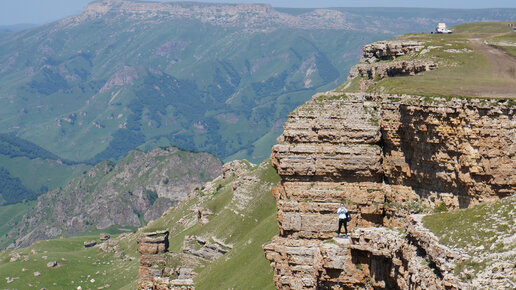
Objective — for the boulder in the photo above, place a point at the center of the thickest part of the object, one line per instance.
(89, 244)
(104, 237)
(52, 264)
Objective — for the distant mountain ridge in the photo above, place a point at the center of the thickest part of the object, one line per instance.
(226, 15)
(130, 193)
(208, 77)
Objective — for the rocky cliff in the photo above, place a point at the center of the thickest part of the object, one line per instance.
(384, 156)
(136, 190)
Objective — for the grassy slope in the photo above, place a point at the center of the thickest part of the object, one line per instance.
(484, 229)
(245, 265)
(80, 266)
(10, 215)
(459, 74)
(35, 173)
(506, 41)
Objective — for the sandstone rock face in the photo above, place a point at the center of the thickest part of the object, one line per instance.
(389, 50)
(154, 273)
(89, 244)
(380, 155)
(153, 243)
(463, 150)
(151, 246)
(390, 69)
(207, 249)
(370, 70)
(394, 262)
(104, 237)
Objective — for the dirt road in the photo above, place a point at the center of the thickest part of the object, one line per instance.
(503, 66)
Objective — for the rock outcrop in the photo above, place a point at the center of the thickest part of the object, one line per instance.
(151, 246)
(384, 157)
(371, 69)
(205, 248)
(152, 273)
(217, 227)
(389, 50)
(390, 69)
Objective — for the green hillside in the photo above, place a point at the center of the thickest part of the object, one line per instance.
(244, 220)
(10, 216)
(97, 85)
(89, 268)
(485, 233)
(27, 170)
(239, 209)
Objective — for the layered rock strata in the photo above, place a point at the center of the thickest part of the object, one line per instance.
(205, 249)
(389, 50)
(150, 247)
(371, 70)
(153, 274)
(384, 157)
(389, 69)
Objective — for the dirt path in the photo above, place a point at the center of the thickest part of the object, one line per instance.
(503, 66)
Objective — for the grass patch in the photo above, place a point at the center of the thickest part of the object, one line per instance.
(89, 268)
(482, 27)
(441, 207)
(350, 86)
(477, 231)
(10, 215)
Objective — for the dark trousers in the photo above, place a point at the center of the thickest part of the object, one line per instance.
(345, 223)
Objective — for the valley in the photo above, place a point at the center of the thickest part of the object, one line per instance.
(188, 76)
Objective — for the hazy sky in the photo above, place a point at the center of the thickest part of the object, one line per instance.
(42, 11)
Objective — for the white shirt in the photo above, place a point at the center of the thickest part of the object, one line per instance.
(342, 212)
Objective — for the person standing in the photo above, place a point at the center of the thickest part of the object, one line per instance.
(343, 219)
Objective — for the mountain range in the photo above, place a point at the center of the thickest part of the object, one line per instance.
(210, 77)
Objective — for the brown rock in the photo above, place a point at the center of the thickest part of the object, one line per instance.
(89, 244)
(378, 154)
(52, 264)
(104, 237)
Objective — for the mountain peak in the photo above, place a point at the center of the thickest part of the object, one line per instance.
(220, 14)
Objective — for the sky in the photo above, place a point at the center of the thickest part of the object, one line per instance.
(44, 11)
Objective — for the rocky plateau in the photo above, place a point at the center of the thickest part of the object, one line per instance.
(385, 157)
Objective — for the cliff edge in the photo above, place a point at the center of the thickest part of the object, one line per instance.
(388, 148)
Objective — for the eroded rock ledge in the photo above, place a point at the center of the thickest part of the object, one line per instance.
(379, 61)
(152, 273)
(382, 155)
